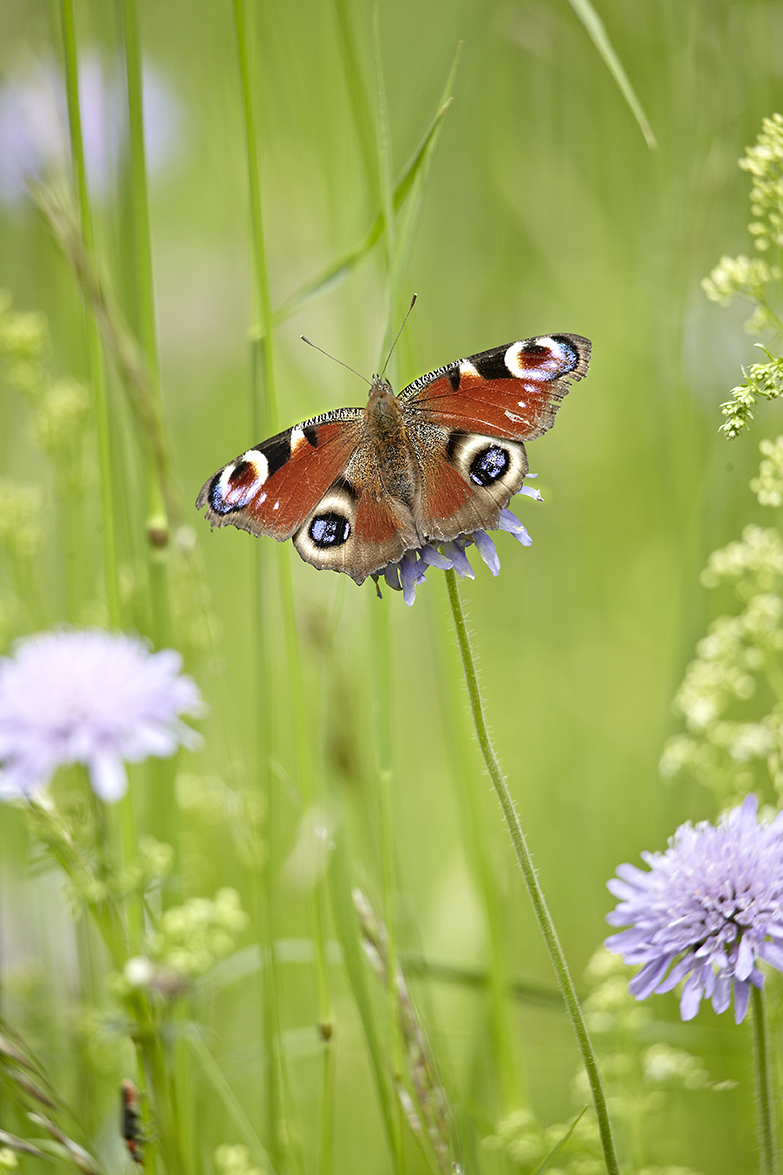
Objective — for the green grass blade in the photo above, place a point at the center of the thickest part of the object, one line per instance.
(594, 27)
(546, 1163)
(94, 352)
(337, 273)
(345, 922)
(225, 1093)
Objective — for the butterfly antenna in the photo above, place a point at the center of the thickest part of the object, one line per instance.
(328, 356)
(399, 332)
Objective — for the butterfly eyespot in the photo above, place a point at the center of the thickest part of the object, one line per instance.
(489, 464)
(239, 471)
(329, 530)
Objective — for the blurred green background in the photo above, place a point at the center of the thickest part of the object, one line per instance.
(545, 211)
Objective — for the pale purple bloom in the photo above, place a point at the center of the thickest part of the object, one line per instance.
(34, 123)
(711, 904)
(408, 572)
(91, 697)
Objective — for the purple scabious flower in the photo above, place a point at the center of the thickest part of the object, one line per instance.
(34, 123)
(91, 697)
(407, 573)
(715, 899)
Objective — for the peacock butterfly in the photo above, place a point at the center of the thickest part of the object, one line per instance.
(358, 487)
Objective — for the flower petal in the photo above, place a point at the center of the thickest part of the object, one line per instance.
(410, 576)
(435, 558)
(721, 995)
(691, 997)
(741, 997)
(511, 523)
(108, 777)
(459, 560)
(486, 548)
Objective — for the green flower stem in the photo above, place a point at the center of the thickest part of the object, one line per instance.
(765, 1103)
(317, 898)
(473, 818)
(158, 1069)
(525, 863)
(94, 351)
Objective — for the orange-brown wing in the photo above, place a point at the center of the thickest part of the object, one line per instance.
(512, 391)
(272, 488)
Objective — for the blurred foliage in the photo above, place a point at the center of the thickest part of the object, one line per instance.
(544, 210)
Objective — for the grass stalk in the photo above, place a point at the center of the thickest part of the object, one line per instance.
(157, 523)
(95, 360)
(161, 772)
(264, 417)
(524, 860)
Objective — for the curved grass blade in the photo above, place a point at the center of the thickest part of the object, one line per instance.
(348, 933)
(594, 27)
(340, 270)
(546, 1163)
(225, 1094)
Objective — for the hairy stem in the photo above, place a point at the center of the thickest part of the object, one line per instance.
(768, 1156)
(525, 863)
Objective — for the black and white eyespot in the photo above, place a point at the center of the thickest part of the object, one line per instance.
(488, 461)
(235, 485)
(489, 464)
(544, 358)
(330, 529)
(324, 537)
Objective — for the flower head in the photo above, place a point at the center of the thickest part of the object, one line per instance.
(34, 123)
(406, 574)
(90, 697)
(714, 898)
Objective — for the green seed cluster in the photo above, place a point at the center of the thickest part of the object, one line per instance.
(764, 161)
(730, 697)
(755, 280)
(768, 486)
(187, 942)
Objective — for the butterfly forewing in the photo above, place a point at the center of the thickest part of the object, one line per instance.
(512, 391)
(272, 488)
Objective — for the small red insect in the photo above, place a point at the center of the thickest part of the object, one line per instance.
(130, 1121)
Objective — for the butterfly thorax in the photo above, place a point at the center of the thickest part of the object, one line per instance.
(387, 435)
(383, 413)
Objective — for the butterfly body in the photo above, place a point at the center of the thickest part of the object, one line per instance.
(130, 1121)
(358, 487)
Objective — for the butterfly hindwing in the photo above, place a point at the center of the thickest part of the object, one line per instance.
(355, 531)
